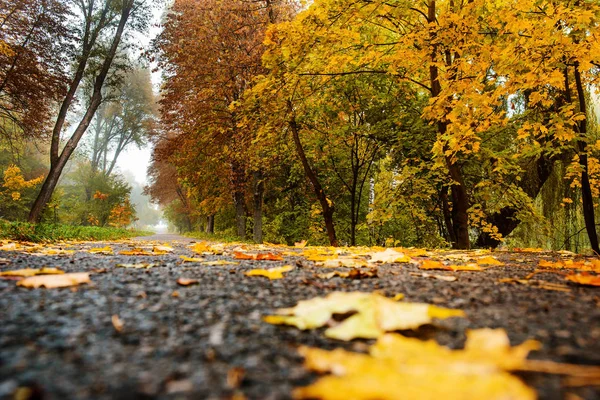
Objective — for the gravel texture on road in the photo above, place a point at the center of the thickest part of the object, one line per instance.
(208, 341)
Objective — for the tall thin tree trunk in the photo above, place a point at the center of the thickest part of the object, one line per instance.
(586, 191)
(259, 189)
(326, 204)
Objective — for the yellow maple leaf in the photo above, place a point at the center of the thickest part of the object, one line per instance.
(400, 367)
(375, 314)
(271, 273)
(489, 260)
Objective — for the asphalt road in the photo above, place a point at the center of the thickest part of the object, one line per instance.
(208, 341)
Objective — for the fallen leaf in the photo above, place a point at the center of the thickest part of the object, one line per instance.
(162, 249)
(489, 260)
(352, 274)
(117, 323)
(406, 368)
(539, 284)
(205, 248)
(187, 281)
(55, 281)
(137, 265)
(584, 279)
(271, 273)
(344, 261)
(301, 244)
(260, 256)
(374, 315)
(235, 377)
(101, 250)
(32, 271)
(445, 278)
(430, 264)
(219, 262)
(191, 259)
(136, 252)
(389, 256)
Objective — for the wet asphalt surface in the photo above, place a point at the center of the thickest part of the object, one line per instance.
(208, 341)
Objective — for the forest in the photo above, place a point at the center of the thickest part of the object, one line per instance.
(443, 123)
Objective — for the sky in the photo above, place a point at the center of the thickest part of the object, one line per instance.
(133, 159)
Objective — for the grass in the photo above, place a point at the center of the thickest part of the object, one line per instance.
(24, 231)
(216, 237)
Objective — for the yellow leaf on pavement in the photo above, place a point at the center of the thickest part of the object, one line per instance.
(374, 315)
(32, 271)
(191, 259)
(101, 250)
(220, 262)
(489, 260)
(137, 252)
(137, 265)
(55, 281)
(389, 256)
(584, 279)
(162, 249)
(271, 273)
(406, 368)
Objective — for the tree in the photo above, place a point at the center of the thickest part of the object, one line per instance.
(112, 19)
(210, 52)
(34, 46)
(127, 118)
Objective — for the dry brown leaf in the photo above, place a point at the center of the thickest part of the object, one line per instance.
(352, 274)
(537, 283)
(55, 281)
(117, 323)
(235, 377)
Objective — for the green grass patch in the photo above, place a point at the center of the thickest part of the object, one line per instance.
(216, 237)
(24, 231)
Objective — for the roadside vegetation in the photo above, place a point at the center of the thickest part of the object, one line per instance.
(24, 231)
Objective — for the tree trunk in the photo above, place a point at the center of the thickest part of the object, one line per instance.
(259, 189)
(326, 204)
(586, 191)
(240, 214)
(210, 224)
(460, 199)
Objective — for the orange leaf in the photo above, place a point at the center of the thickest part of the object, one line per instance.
(261, 257)
(584, 279)
(187, 281)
